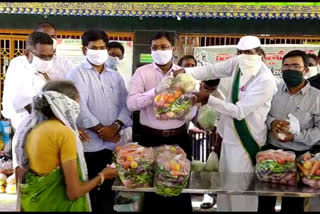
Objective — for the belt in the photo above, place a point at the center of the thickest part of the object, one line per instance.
(167, 132)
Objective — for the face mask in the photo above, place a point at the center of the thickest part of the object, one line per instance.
(249, 63)
(313, 70)
(40, 65)
(113, 62)
(292, 78)
(161, 57)
(54, 43)
(97, 57)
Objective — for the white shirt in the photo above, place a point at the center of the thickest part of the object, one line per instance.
(23, 82)
(61, 66)
(254, 99)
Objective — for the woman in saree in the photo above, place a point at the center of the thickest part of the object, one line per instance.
(49, 148)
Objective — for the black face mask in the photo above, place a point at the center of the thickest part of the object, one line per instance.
(292, 78)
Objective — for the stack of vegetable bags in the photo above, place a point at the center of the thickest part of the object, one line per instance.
(175, 103)
(172, 170)
(135, 165)
(309, 168)
(277, 166)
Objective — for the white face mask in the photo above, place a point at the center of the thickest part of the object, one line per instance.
(113, 62)
(55, 43)
(161, 57)
(97, 57)
(40, 65)
(313, 70)
(249, 64)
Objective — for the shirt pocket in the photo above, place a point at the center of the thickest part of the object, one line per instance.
(305, 118)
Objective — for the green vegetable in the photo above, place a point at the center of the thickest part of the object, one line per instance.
(274, 166)
(197, 166)
(206, 117)
(164, 190)
(212, 162)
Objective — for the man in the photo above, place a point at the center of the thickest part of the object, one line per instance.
(312, 63)
(103, 112)
(147, 81)
(187, 61)
(61, 65)
(312, 66)
(25, 78)
(116, 53)
(295, 96)
(246, 108)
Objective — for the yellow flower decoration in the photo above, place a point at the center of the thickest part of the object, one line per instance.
(7, 9)
(174, 13)
(134, 12)
(127, 12)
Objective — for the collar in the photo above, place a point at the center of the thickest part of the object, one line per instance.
(87, 65)
(28, 65)
(303, 90)
(174, 67)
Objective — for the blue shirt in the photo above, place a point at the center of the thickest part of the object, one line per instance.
(102, 100)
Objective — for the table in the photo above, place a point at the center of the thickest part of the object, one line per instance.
(232, 184)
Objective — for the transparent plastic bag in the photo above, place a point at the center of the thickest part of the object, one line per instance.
(172, 104)
(171, 174)
(135, 165)
(309, 169)
(173, 149)
(277, 166)
(206, 117)
(185, 82)
(175, 103)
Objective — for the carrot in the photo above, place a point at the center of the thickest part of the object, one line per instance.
(315, 166)
(303, 170)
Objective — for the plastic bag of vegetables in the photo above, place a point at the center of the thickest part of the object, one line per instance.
(309, 169)
(171, 174)
(277, 166)
(175, 103)
(135, 165)
(206, 117)
(171, 104)
(173, 149)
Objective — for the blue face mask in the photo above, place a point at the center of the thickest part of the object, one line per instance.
(113, 62)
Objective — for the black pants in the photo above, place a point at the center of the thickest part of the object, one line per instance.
(102, 197)
(267, 204)
(156, 203)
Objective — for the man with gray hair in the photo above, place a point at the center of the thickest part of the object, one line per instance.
(243, 114)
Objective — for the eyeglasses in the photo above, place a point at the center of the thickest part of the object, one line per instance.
(162, 47)
(292, 66)
(43, 57)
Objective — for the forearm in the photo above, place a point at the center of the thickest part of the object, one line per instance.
(226, 108)
(84, 188)
(309, 137)
(138, 101)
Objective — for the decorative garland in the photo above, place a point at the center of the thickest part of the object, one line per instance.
(165, 9)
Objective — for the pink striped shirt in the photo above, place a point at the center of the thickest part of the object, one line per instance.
(141, 95)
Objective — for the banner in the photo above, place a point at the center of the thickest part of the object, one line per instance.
(273, 56)
(72, 49)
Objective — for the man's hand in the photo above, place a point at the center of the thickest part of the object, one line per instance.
(280, 126)
(179, 71)
(164, 84)
(109, 133)
(287, 137)
(84, 136)
(202, 97)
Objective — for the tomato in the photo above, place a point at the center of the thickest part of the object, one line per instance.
(318, 172)
(281, 161)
